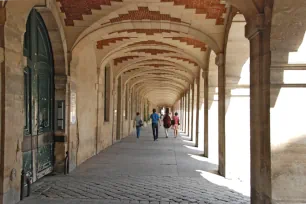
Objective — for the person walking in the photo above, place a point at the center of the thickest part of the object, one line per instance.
(167, 122)
(138, 124)
(155, 120)
(176, 123)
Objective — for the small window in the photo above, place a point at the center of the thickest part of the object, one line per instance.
(106, 93)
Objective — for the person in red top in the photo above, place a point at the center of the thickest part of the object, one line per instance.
(167, 122)
(176, 121)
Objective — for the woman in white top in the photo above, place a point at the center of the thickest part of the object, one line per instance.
(138, 123)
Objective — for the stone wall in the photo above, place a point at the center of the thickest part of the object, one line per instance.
(86, 78)
(126, 124)
(106, 127)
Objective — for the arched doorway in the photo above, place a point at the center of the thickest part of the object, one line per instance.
(38, 143)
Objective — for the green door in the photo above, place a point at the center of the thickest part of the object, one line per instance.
(38, 145)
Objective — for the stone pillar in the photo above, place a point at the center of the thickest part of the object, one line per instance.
(185, 113)
(191, 105)
(206, 111)
(180, 109)
(258, 33)
(182, 114)
(71, 107)
(2, 100)
(197, 125)
(189, 112)
(221, 112)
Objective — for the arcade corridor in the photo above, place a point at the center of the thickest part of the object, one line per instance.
(75, 73)
(145, 172)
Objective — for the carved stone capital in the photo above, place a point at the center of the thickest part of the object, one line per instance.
(2, 16)
(220, 59)
(204, 74)
(260, 22)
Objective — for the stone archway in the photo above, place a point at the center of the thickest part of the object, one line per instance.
(258, 15)
(12, 141)
(278, 160)
(237, 118)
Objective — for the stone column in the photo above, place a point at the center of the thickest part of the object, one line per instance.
(188, 113)
(197, 126)
(194, 105)
(258, 33)
(71, 107)
(206, 110)
(221, 112)
(182, 113)
(191, 105)
(185, 113)
(180, 108)
(2, 99)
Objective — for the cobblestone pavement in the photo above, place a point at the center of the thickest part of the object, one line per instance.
(143, 171)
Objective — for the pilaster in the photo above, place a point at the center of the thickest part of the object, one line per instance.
(2, 99)
(197, 126)
(206, 111)
(220, 62)
(185, 113)
(258, 33)
(191, 104)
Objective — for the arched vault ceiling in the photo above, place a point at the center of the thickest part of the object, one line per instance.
(160, 68)
(157, 79)
(82, 17)
(157, 46)
(159, 94)
(143, 87)
(126, 63)
(159, 73)
(133, 60)
(154, 64)
(158, 29)
(193, 49)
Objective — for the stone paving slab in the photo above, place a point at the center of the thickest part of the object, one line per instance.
(137, 171)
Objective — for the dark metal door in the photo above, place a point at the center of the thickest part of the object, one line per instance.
(38, 145)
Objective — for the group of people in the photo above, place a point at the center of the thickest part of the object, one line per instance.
(156, 121)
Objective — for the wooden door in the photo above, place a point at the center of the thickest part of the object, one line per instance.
(38, 143)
